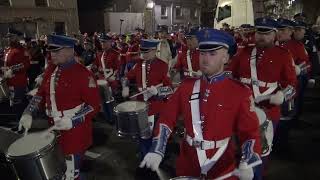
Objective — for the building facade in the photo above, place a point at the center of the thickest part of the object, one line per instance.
(38, 17)
(176, 13)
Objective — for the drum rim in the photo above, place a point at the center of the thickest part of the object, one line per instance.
(131, 112)
(39, 153)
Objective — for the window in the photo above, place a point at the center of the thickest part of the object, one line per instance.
(178, 12)
(4, 2)
(224, 12)
(164, 12)
(59, 28)
(41, 3)
(194, 13)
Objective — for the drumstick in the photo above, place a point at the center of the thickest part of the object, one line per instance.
(161, 174)
(236, 172)
(142, 92)
(47, 131)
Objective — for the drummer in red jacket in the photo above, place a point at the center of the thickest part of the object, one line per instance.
(215, 109)
(16, 64)
(150, 74)
(69, 95)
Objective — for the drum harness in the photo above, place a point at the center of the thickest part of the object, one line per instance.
(189, 64)
(54, 110)
(256, 92)
(106, 72)
(198, 142)
(257, 83)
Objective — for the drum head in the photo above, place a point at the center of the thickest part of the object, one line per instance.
(130, 106)
(29, 144)
(185, 178)
(262, 117)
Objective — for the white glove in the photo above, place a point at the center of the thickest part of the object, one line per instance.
(297, 69)
(152, 161)
(197, 74)
(112, 78)
(311, 83)
(125, 91)
(25, 121)
(245, 172)
(152, 90)
(63, 124)
(277, 98)
(38, 80)
(8, 74)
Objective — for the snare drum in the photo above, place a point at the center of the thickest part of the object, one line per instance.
(37, 157)
(185, 178)
(132, 120)
(7, 137)
(4, 90)
(266, 131)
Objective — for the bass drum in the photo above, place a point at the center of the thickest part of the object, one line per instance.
(38, 157)
(266, 132)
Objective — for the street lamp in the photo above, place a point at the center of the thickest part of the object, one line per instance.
(150, 4)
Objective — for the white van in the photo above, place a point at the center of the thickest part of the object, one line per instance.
(234, 13)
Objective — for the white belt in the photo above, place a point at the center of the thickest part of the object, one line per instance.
(34, 62)
(204, 144)
(259, 83)
(66, 113)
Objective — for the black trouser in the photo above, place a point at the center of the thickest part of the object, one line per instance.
(33, 72)
(18, 100)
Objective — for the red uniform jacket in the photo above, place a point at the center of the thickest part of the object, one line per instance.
(75, 85)
(298, 52)
(273, 65)
(182, 64)
(112, 61)
(133, 50)
(226, 111)
(123, 53)
(18, 61)
(156, 72)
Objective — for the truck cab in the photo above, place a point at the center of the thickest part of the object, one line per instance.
(234, 13)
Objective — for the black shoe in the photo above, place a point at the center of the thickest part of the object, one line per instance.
(15, 128)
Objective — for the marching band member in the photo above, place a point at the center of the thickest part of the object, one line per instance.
(302, 68)
(299, 35)
(214, 109)
(108, 61)
(106, 66)
(269, 71)
(70, 97)
(296, 48)
(165, 50)
(122, 47)
(149, 74)
(246, 36)
(88, 55)
(188, 59)
(133, 55)
(16, 64)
